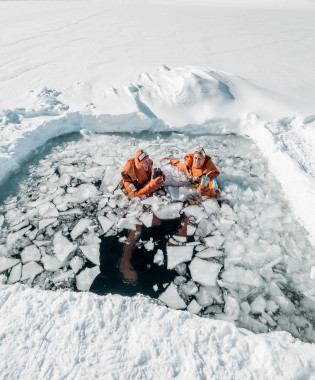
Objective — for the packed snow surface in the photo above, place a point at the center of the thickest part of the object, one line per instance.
(75, 336)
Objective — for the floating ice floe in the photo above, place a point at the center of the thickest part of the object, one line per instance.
(204, 272)
(105, 223)
(86, 277)
(82, 225)
(62, 246)
(91, 252)
(30, 270)
(178, 255)
(171, 298)
(7, 262)
(30, 253)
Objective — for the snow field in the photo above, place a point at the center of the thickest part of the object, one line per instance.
(75, 336)
(248, 262)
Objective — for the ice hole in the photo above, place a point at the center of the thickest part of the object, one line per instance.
(66, 223)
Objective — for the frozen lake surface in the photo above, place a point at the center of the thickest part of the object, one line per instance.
(240, 258)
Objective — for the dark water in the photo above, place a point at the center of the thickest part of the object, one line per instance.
(128, 269)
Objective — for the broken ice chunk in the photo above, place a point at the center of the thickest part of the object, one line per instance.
(204, 272)
(76, 263)
(80, 227)
(258, 305)
(211, 206)
(15, 274)
(31, 270)
(245, 307)
(178, 255)
(62, 277)
(209, 252)
(62, 246)
(104, 161)
(147, 218)
(285, 304)
(91, 252)
(1, 220)
(171, 298)
(189, 288)
(30, 253)
(46, 222)
(159, 258)
(166, 212)
(238, 275)
(13, 237)
(208, 294)
(47, 210)
(231, 309)
(312, 273)
(155, 288)
(85, 278)
(105, 223)
(190, 230)
(194, 307)
(149, 246)
(128, 223)
(7, 262)
(51, 263)
(195, 211)
(214, 241)
(181, 239)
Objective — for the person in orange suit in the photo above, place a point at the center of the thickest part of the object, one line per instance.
(138, 177)
(199, 169)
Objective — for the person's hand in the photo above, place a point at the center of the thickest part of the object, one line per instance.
(171, 161)
(156, 183)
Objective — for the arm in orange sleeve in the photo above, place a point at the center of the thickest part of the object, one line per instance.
(153, 185)
(211, 170)
(180, 165)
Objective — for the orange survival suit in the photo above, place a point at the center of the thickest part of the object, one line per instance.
(194, 174)
(138, 181)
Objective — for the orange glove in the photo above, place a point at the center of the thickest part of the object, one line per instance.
(207, 192)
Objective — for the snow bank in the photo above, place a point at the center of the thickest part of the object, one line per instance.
(69, 335)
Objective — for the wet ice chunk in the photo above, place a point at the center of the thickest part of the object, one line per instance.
(178, 255)
(165, 212)
(51, 263)
(231, 309)
(31, 270)
(285, 304)
(104, 161)
(46, 222)
(159, 258)
(194, 307)
(147, 218)
(62, 277)
(76, 263)
(7, 262)
(209, 252)
(190, 230)
(30, 253)
(47, 210)
(1, 220)
(80, 227)
(214, 241)
(13, 237)
(258, 305)
(15, 274)
(85, 192)
(171, 298)
(128, 223)
(149, 246)
(85, 278)
(62, 246)
(105, 223)
(189, 288)
(211, 206)
(195, 211)
(207, 295)
(204, 272)
(312, 273)
(92, 252)
(238, 275)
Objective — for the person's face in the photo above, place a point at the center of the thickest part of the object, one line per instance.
(146, 163)
(197, 160)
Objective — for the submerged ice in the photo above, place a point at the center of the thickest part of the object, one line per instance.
(240, 258)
